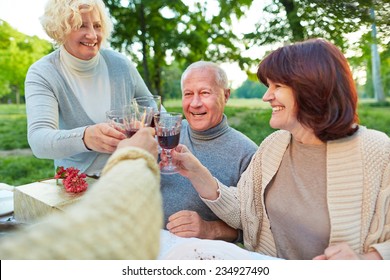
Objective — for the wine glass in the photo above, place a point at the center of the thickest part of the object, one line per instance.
(136, 117)
(168, 126)
(149, 101)
(115, 119)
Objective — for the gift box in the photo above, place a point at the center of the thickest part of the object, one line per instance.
(36, 200)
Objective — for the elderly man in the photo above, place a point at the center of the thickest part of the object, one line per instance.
(225, 151)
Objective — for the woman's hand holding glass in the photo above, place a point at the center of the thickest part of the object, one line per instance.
(102, 138)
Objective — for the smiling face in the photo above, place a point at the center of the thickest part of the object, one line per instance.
(284, 111)
(84, 42)
(203, 100)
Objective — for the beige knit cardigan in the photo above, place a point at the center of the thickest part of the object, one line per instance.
(358, 193)
(120, 217)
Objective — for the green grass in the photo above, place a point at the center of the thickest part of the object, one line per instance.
(20, 170)
(375, 117)
(249, 116)
(13, 127)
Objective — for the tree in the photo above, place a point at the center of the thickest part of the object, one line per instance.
(250, 89)
(378, 89)
(296, 20)
(154, 31)
(17, 53)
(385, 70)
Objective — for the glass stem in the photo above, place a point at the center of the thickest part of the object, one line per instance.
(169, 156)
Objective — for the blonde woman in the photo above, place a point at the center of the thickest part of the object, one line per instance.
(69, 90)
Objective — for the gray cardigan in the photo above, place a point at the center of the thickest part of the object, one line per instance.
(56, 120)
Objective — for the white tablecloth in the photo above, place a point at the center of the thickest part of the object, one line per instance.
(177, 248)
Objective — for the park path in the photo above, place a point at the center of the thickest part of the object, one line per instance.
(16, 152)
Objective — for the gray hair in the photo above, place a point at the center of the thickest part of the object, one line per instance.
(220, 74)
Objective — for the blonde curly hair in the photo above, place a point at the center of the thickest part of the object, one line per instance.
(63, 16)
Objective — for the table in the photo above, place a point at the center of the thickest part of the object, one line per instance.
(38, 199)
(173, 247)
(7, 221)
(42, 198)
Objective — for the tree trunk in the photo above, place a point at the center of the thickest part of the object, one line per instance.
(293, 20)
(376, 73)
(15, 89)
(144, 48)
(157, 63)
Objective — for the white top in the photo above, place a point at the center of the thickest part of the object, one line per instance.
(86, 78)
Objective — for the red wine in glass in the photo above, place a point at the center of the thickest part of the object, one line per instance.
(152, 124)
(169, 142)
(131, 132)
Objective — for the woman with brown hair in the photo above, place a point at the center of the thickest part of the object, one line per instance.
(319, 187)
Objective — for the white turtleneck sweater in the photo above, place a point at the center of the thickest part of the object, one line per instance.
(86, 78)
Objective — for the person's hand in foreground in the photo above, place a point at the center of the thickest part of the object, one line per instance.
(187, 223)
(102, 138)
(144, 139)
(342, 251)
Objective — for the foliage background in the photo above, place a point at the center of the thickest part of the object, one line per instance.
(17, 52)
(162, 37)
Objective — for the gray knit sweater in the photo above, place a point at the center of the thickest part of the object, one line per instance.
(358, 193)
(225, 151)
(56, 120)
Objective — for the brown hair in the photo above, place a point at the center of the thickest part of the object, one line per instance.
(322, 84)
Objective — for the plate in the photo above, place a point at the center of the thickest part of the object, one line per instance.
(6, 202)
(200, 249)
